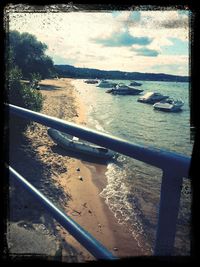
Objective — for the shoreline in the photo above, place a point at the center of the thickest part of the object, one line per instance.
(80, 180)
(111, 232)
(108, 232)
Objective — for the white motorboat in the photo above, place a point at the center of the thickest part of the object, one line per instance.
(152, 97)
(169, 105)
(106, 84)
(133, 83)
(72, 143)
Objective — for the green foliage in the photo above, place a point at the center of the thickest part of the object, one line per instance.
(24, 59)
(35, 77)
(22, 95)
(23, 48)
(14, 86)
(15, 75)
(28, 54)
(32, 98)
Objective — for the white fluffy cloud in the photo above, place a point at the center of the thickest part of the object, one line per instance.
(97, 39)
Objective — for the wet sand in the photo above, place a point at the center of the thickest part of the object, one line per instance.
(80, 180)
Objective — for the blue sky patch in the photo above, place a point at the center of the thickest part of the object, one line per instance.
(135, 16)
(179, 47)
(183, 12)
(115, 14)
(123, 39)
(146, 52)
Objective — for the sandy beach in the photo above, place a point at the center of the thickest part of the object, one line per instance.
(79, 181)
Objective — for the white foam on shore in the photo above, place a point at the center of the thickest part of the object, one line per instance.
(84, 91)
(121, 202)
(116, 194)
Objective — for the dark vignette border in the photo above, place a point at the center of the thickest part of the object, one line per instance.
(194, 70)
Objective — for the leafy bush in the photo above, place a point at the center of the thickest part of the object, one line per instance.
(22, 95)
(32, 98)
(35, 77)
(26, 59)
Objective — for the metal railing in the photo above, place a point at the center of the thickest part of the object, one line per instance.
(84, 238)
(174, 166)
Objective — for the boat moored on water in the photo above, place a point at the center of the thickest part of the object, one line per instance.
(169, 105)
(122, 89)
(152, 97)
(106, 84)
(133, 83)
(74, 144)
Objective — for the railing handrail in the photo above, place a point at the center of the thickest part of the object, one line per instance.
(83, 237)
(160, 158)
(175, 166)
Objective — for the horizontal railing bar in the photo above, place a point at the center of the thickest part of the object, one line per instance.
(157, 157)
(83, 237)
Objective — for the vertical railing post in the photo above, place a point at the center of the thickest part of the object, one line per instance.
(168, 213)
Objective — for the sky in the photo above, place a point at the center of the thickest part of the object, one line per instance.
(148, 41)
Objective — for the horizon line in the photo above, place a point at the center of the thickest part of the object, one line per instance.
(126, 71)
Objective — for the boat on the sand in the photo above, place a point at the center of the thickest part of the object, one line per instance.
(91, 81)
(72, 143)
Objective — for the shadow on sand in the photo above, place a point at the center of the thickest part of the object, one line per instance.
(46, 87)
(21, 203)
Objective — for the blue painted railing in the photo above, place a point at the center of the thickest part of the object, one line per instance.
(84, 238)
(174, 166)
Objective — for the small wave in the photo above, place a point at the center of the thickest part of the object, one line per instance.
(99, 127)
(132, 193)
(94, 122)
(123, 204)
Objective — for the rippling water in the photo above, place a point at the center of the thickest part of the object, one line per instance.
(133, 188)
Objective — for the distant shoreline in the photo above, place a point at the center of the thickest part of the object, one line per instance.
(68, 71)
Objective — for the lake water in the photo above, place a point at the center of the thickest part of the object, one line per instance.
(133, 188)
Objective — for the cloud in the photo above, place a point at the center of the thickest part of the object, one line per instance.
(175, 23)
(159, 24)
(131, 19)
(63, 60)
(146, 52)
(127, 16)
(122, 39)
(178, 69)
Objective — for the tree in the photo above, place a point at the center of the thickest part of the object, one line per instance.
(29, 55)
(25, 58)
